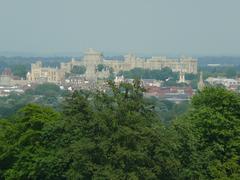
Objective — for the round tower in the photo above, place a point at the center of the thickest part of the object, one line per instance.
(91, 59)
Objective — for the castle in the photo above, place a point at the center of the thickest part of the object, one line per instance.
(45, 74)
(93, 58)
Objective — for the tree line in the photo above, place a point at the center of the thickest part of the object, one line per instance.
(119, 135)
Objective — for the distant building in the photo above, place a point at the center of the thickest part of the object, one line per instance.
(6, 78)
(214, 65)
(119, 79)
(151, 82)
(7, 72)
(201, 84)
(181, 77)
(175, 94)
(228, 83)
(45, 74)
(93, 58)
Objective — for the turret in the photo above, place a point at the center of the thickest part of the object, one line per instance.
(201, 84)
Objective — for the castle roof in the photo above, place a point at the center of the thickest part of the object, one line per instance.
(91, 51)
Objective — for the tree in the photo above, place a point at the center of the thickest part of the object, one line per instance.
(190, 76)
(46, 89)
(101, 67)
(162, 74)
(78, 70)
(116, 136)
(231, 72)
(19, 70)
(22, 143)
(210, 134)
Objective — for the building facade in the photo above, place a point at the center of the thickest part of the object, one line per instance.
(45, 74)
(93, 58)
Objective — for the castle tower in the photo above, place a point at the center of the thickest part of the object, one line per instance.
(201, 84)
(28, 76)
(91, 59)
(130, 61)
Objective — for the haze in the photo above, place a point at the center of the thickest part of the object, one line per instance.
(206, 27)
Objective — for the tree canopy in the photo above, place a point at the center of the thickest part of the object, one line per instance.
(101, 67)
(78, 70)
(120, 135)
(162, 74)
(210, 134)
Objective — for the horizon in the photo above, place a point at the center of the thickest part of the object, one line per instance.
(106, 54)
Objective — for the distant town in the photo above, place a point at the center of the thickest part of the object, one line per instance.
(174, 79)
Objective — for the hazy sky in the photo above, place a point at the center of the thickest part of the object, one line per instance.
(196, 27)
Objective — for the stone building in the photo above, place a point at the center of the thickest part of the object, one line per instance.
(6, 78)
(93, 58)
(45, 74)
(201, 84)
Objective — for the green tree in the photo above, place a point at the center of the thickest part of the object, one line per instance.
(116, 136)
(48, 89)
(209, 136)
(78, 70)
(97, 136)
(22, 143)
(231, 72)
(19, 70)
(101, 67)
(162, 74)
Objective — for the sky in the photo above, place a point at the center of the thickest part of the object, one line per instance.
(157, 27)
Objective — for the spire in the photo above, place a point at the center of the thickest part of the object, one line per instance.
(201, 83)
(181, 77)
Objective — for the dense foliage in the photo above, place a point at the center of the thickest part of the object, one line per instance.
(45, 94)
(20, 65)
(162, 74)
(101, 67)
(168, 110)
(209, 136)
(20, 70)
(78, 70)
(119, 135)
(221, 71)
(166, 75)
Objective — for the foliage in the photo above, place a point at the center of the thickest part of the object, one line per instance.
(194, 83)
(99, 136)
(162, 74)
(169, 77)
(22, 143)
(190, 76)
(119, 135)
(78, 70)
(222, 71)
(46, 94)
(11, 104)
(101, 67)
(167, 110)
(8, 61)
(19, 70)
(112, 75)
(46, 89)
(209, 135)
